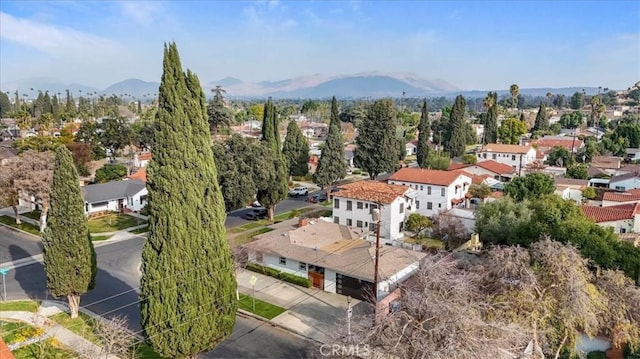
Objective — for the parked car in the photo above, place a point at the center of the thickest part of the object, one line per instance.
(318, 198)
(256, 204)
(257, 213)
(299, 191)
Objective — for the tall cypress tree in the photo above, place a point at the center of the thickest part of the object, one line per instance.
(69, 256)
(491, 118)
(542, 119)
(424, 130)
(296, 150)
(188, 287)
(274, 189)
(458, 140)
(377, 147)
(335, 115)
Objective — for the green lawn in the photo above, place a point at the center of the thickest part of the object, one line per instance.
(100, 238)
(248, 237)
(11, 331)
(20, 306)
(82, 325)
(144, 351)
(46, 349)
(113, 222)
(141, 230)
(33, 215)
(427, 242)
(263, 309)
(27, 227)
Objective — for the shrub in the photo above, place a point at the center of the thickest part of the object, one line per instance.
(287, 277)
(356, 172)
(596, 355)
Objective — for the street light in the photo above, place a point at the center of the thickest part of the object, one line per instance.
(349, 313)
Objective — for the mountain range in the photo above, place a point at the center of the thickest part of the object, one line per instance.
(361, 85)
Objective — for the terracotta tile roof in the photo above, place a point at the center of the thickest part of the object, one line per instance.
(144, 156)
(495, 167)
(479, 179)
(457, 166)
(501, 148)
(140, 175)
(420, 175)
(611, 213)
(540, 155)
(550, 143)
(496, 194)
(631, 195)
(5, 352)
(372, 191)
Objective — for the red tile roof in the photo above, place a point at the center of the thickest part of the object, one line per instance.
(145, 156)
(5, 352)
(420, 175)
(611, 213)
(631, 195)
(495, 167)
(550, 143)
(502, 148)
(457, 166)
(372, 191)
(140, 175)
(479, 179)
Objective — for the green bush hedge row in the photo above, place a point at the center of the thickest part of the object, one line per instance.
(287, 277)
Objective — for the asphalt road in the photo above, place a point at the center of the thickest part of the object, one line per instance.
(237, 217)
(9, 239)
(116, 294)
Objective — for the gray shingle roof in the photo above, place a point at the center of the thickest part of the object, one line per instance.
(103, 192)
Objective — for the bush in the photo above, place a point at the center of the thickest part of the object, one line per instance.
(306, 178)
(356, 172)
(110, 172)
(287, 277)
(597, 355)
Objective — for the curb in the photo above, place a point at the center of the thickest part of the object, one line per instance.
(20, 230)
(244, 313)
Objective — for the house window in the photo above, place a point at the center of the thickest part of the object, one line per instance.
(623, 230)
(359, 224)
(442, 192)
(372, 207)
(620, 188)
(417, 204)
(302, 266)
(401, 207)
(484, 155)
(401, 226)
(513, 157)
(366, 206)
(428, 189)
(359, 205)
(349, 205)
(493, 156)
(336, 203)
(283, 261)
(439, 205)
(456, 189)
(421, 187)
(372, 226)
(429, 205)
(336, 220)
(349, 222)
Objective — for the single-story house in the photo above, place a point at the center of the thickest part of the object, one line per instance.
(411, 148)
(554, 170)
(633, 154)
(497, 170)
(334, 258)
(616, 198)
(114, 196)
(570, 188)
(625, 182)
(607, 163)
(623, 218)
(548, 143)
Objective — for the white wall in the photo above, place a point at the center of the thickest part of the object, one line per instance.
(291, 267)
(385, 286)
(626, 224)
(509, 159)
(329, 280)
(433, 194)
(631, 183)
(135, 203)
(109, 206)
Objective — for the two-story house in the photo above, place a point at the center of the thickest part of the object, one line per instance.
(516, 156)
(354, 205)
(436, 190)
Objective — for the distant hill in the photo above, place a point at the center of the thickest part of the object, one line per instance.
(134, 87)
(44, 84)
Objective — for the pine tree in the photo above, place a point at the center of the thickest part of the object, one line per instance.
(491, 118)
(188, 287)
(542, 119)
(5, 105)
(335, 115)
(377, 147)
(274, 189)
(424, 130)
(69, 256)
(296, 151)
(458, 140)
(70, 105)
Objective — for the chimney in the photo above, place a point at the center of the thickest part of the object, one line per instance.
(302, 221)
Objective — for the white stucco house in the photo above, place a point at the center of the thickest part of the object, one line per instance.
(516, 156)
(616, 198)
(496, 170)
(623, 218)
(436, 190)
(114, 196)
(141, 159)
(570, 188)
(334, 257)
(625, 182)
(354, 204)
(411, 148)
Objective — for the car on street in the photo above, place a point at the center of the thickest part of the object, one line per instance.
(256, 204)
(318, 198)
(299, 191)
(257, 213)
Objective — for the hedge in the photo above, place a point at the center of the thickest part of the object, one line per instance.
(287, 277)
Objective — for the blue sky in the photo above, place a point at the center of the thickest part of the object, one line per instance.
(472, 45)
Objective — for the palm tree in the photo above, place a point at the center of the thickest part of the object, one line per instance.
(549, 96)
(515, 91)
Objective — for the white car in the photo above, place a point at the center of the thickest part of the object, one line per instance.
(299, 191)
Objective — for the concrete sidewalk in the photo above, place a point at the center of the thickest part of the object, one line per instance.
(70, 339)
(313, 313)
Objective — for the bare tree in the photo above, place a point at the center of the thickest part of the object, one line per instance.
(450, 230)
(622, 319)
(8, 191)
(33, 180)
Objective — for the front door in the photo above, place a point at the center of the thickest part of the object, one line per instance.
(317, 279)
(120, 204)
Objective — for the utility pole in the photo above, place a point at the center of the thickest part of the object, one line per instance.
(349, 314)
(376, 217)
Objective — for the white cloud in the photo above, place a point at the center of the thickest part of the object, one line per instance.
(142, 12)
(53, 40)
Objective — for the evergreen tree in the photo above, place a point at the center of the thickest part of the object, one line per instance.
(47, 106)
(332, 166)
(69, 256)
(274, 188)
(5, 105)
(55, 107)
(296, 151)
(377, 147)
(139, 107)
(188, 302)
(424, 130)
(458, 140)
(16, 102)
(335, 114)
(491, 118)
(542, 119)
(218, 113)
(70, 105)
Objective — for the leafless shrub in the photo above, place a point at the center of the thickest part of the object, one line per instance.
(116, 338)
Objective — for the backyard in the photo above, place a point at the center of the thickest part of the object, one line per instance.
(113, 222)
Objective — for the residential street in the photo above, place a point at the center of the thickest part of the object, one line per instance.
(115, 294)
(237, 217)
(29, 245)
